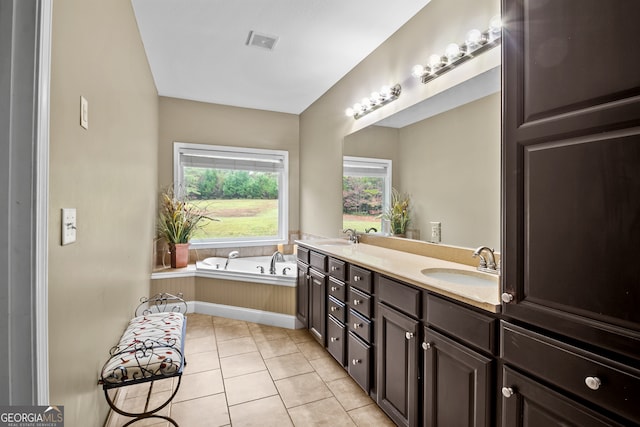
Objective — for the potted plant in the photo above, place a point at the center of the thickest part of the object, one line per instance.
(177, 222)
(398, 213)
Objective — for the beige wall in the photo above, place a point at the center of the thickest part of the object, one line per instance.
(323, 125)
(108, 173)
(202, 123)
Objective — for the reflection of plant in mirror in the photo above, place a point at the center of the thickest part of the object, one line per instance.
(398, 212)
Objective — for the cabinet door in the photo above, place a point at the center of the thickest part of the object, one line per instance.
(457, 384)
(302, 295)
(397, 370)
(317, 305)
(528, 403)
(571, 175)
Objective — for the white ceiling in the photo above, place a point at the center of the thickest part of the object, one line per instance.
(197, 48)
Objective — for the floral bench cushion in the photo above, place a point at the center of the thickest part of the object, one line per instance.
(152, 346)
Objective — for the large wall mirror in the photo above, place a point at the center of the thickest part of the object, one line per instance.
(445, 155)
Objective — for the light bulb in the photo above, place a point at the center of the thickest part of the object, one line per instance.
(357, 107)
(349, 112)
(375, 98)
(495, 27)
(435, 61)
(366, 103)
(418, 71)
(474, 39)
(452, 52)
(385, 92)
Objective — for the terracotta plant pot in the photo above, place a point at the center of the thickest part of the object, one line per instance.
(179, 255)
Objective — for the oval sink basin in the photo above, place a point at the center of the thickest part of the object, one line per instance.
(461, 277)
(333, 242)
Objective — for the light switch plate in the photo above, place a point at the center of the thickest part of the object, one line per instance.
(436, 236)
(84, 112)
(68, 225)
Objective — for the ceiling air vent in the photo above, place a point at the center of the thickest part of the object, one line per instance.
(261, 40)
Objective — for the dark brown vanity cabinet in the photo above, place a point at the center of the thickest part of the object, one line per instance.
(571, 203)
(302, 294)
(360, 323)
(336, 318)
(317, 305)
(397, 348)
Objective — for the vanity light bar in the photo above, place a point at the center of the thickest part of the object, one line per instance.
(475, 44)
(375, 101)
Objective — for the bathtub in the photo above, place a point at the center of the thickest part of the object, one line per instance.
(250, 269)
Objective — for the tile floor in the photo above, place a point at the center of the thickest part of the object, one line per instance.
(244, 374)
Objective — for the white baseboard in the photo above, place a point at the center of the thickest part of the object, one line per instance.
(246, 314)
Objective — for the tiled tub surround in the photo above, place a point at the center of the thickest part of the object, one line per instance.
(246, 374)
(407, 267)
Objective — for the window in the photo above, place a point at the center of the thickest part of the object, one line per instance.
(246, 189)
(366, 192)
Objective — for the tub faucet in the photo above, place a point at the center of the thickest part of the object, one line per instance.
(232, 254)
(488, 264)
(276, 257)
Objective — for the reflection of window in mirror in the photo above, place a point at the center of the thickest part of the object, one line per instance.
(366, 192)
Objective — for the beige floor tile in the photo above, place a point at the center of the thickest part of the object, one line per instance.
(200, 362)
(278, 347)
(220, 321)
(370, 415)
(199, 331)
(242, 364)
(302, 389)
(328, 368)
(326, 412)
(199, 385)
(209, 411)
(249, 387)
(288, 365)
(312, 350)
(137, 405)
(349, 394)
(199, 345)
(236, 346)
(198, 319)
(231, 331)
(267, 333)
(267, 412)
(143, 388)
(299, 335)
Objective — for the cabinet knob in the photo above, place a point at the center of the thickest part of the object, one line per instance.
(426, 345)
(507, 392)
(334, 339)
(334, 308)
(507, 297)
(356, 361)
(308, 276)
(356, 278)
(334, 268)
(408, 335)
(334, 288)
(357, 302)
(593, 383)
(357, 325)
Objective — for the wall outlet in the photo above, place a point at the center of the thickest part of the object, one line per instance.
(68, 225)
(435, 232)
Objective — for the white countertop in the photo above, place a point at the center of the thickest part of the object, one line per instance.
(408, 268)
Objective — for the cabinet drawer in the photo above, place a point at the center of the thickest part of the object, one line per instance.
(360, 326)
(337, 289)
(318, 260)
(400, 296)
(359, 361)
(336, 336)
(361, 279)
(360, 301)
(337, 269)
(303, 254)
(470, 326)
(337, 309)
(604, 382)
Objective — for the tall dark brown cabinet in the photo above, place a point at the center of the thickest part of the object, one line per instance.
(571, 206)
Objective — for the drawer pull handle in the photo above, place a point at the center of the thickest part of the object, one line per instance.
(507, 297)
(507, 392)
(357, 325)
(357, 302)
(334, 288)
(334, 308)
(593, 383)
(426, 346)
(356, 361)
(356, 278)
(334, 339)
(408, 335)
(308, 276)
(334, 268)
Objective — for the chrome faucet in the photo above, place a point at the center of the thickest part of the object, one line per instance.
(353, 235)
(488, 264)
(232, 254)
(276, 257)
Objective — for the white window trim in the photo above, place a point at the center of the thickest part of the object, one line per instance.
(375, 163)
(283, 195)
